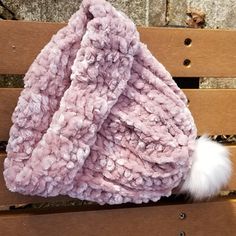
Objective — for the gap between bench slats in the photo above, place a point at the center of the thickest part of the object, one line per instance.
(214, 110)
(212, 52)
(8, 198)
(211, 218)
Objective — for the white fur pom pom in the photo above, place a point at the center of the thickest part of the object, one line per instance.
(211, 170)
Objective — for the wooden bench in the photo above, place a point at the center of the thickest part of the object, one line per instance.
(186, 53)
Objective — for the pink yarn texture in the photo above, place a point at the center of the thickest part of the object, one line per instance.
(99, 118)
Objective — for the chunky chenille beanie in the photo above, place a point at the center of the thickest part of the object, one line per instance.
(101, 119)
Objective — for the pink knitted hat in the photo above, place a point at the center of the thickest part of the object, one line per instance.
(101, 119)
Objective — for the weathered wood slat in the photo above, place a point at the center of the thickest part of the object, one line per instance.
(214, 110)
(211, 218)
(8, 101)
(8, 198)
(212, 52)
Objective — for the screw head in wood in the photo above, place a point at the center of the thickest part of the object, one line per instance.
(182, 215)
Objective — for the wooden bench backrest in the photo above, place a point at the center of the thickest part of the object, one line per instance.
(211, 53)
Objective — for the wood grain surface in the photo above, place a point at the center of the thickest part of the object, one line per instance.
(212, 53)
(201, 219)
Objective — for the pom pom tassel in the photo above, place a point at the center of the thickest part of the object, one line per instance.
(210, 171)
